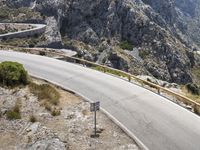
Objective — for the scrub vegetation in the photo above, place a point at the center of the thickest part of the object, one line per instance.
(12, 74)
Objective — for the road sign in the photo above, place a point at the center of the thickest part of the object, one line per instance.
(95, 106)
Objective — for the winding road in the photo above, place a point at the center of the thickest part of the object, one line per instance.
(37, 29)
(157, 122)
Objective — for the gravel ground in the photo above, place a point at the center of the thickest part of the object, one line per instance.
(71, 130)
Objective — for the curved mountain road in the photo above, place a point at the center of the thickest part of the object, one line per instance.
(37, 29)
(157, 122)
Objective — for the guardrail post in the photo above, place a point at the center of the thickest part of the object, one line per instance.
(142, 84)
(159, 91)
(104, 69)
(129, 78)
(195, 109)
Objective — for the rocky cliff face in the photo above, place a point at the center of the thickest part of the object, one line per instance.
(160, 30)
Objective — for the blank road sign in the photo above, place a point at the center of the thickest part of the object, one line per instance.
(95, 106)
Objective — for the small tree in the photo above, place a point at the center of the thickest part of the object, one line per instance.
(12, 74)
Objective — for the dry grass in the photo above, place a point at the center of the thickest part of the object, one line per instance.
(196, 75)
(190, 95)
(45, 92)
(48, 96)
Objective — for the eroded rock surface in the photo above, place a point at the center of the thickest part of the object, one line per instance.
(164, 31)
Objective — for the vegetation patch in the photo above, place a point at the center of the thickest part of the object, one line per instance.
(55, 112)
(13, 15)
(126, 45)
(32, 119)
(14, 113)
(48, 95)
(23, 42)
(45, 92)
(193, 89)
(190, 94)
(196, 75)
(12, 74)
(143, 53)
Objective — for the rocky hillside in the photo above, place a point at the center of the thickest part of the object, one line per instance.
(164, 34)
(35, 128)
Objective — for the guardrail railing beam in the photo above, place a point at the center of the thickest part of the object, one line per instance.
(179, 97)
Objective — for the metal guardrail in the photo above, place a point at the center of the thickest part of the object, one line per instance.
(130, 77)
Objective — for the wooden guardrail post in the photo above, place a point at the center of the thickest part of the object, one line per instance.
(159, 91)
(104, 69)
(129, 78)
(142, 84)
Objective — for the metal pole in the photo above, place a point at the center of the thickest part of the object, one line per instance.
(95, 128)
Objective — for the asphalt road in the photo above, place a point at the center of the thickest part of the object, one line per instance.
(35, 28)
(157, 122)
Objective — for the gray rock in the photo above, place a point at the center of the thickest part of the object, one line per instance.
(50, 144)
(33, 128)
(52, 34)
(160, 82)
(165, 31)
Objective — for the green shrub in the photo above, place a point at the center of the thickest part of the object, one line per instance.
(143, 53)
(11, 115)
(32, 118)
(126, 45)
(55, 112)
(193, 88)
(12, 74)
(14, 113)
(4, 12)
(42, 53)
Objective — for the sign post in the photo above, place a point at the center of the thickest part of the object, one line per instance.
(94, 107)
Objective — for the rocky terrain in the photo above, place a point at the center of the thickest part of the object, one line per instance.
(163, 33)
(70, 130)
(8, 28)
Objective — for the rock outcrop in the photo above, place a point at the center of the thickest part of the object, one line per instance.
(160, 29)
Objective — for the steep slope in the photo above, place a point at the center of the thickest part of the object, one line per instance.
(157, 29)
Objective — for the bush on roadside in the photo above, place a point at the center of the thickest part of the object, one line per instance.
(193, 88)
(55, 112)
(42, 53)
(126, 45)
(14, 113)
(32, 119)
(12, 74)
